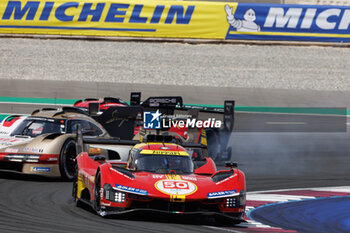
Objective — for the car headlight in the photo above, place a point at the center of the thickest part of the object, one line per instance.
(235, 202)
(113, 195)
(119, 197)
(23, 157)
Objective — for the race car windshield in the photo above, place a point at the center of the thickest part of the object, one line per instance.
(163, 164)
(36, 127)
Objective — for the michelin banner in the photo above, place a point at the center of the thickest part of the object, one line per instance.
(288, 22)
(176, 19)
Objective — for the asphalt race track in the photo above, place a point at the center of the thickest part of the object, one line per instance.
(271, 160)
(35, 204)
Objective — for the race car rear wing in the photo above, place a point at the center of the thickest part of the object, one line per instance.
(82, 142)
(117, 141)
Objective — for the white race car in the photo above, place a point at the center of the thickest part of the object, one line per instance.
(10, 123)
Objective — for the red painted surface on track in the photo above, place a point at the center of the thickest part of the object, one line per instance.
(258, 203)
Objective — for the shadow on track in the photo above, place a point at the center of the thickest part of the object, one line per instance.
(161, 218)
(11, 175)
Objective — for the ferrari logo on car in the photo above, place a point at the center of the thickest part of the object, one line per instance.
(164, 152)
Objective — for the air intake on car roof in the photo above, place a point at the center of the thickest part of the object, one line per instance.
(222, 175)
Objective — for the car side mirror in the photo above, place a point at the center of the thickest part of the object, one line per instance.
(231, 165)
(99, 158)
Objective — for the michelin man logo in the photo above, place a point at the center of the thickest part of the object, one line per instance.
(246, 25)
(151, 120)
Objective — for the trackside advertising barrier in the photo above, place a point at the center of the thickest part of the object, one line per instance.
(176, 19)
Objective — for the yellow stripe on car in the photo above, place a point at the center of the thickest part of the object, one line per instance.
(164, 152)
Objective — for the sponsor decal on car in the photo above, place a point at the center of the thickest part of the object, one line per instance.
(94, 151)
(34, 150)
(176, 187)
(164, 152)
(8, 140)
(5, 144)
(131, 189)
(189, 178)
(158, 177)
(40, 169)
(11, 150)
(223, 194)
(228, 178)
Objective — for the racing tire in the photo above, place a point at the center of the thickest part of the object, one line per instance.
(67, 160)
(97, 194)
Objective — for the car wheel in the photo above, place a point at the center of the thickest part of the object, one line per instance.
(67, 159)
(97, 194)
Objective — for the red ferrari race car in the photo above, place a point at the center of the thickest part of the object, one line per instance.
(159, 177)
